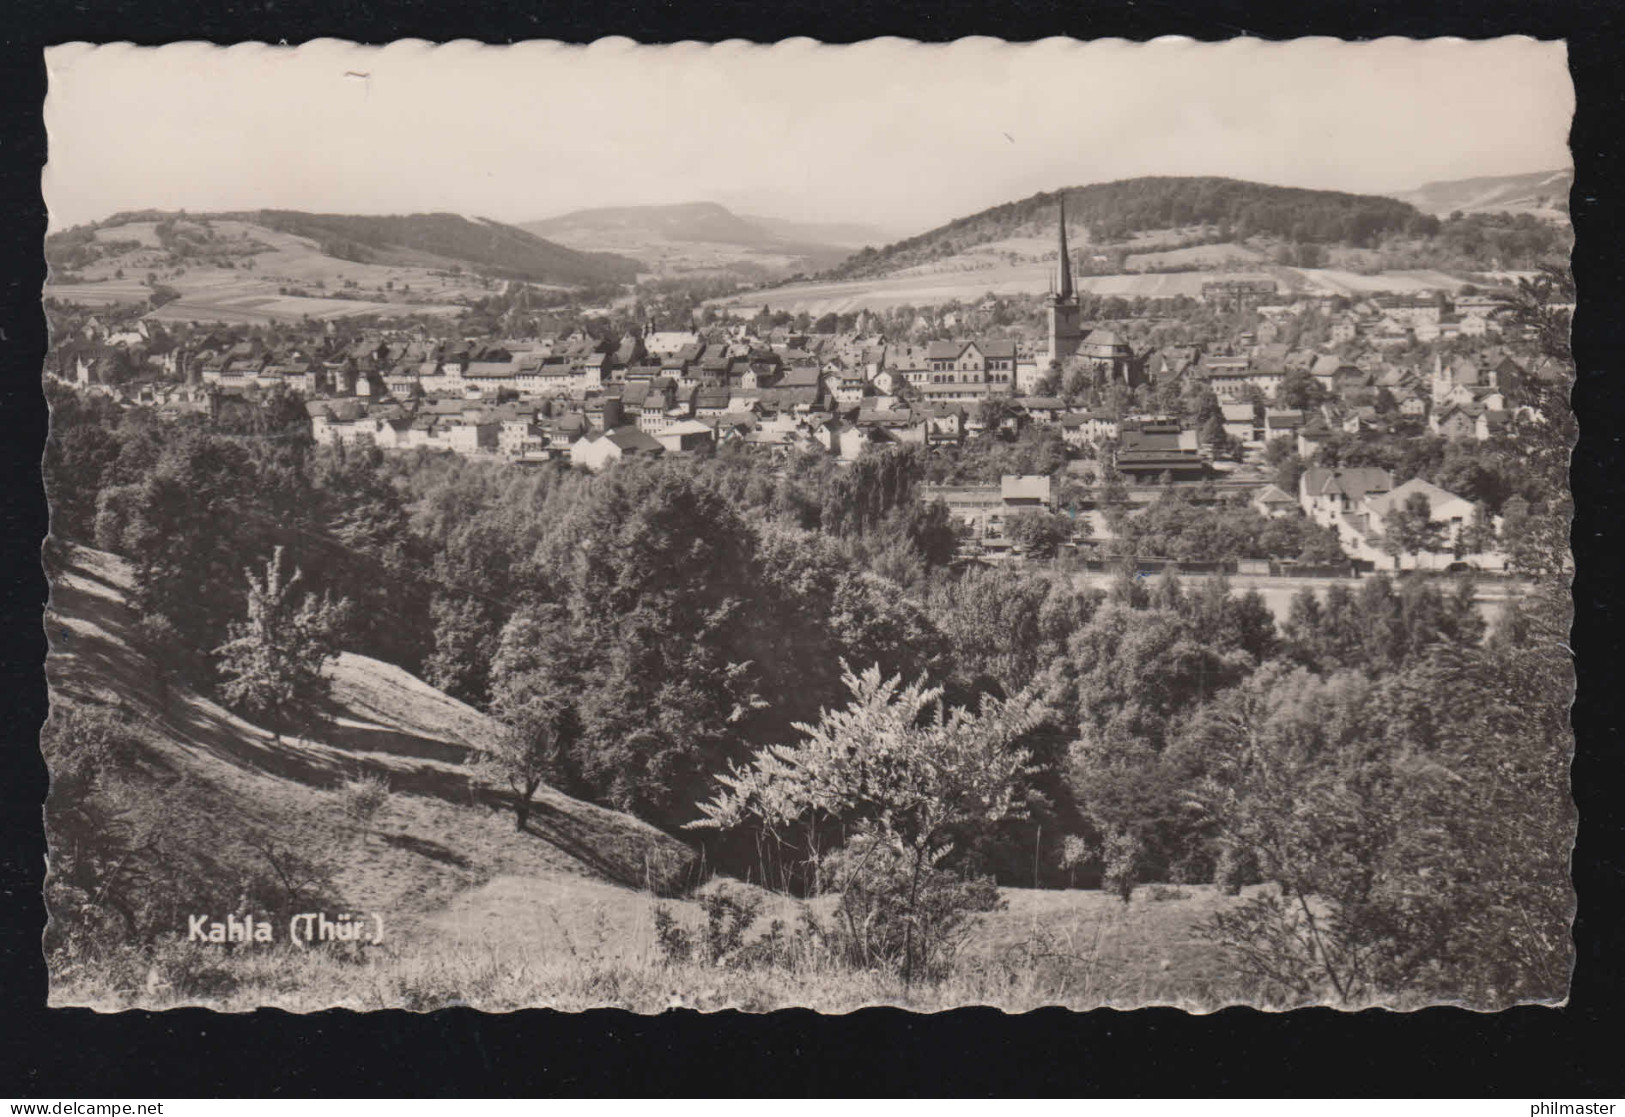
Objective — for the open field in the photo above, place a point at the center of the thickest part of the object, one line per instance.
(262, 310)
(1216, 256)
(923, 287)
(574, 944)
(265, 260)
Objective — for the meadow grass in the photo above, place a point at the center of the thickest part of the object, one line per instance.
(579, 944)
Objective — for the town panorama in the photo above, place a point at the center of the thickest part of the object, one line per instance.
(1145, 592)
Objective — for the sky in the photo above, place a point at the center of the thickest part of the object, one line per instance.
(892, 134)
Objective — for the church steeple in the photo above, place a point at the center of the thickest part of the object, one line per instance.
(1065, 328)
(1065, 289)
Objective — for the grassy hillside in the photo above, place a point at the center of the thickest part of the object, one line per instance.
(1114, 211)
(241, 271)
(476, 913)
(217, 809)
(431, 239)
(1542, 193)
(487, 245)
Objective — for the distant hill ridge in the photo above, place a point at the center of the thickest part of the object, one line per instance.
(1113, 210)
(489, 247)
(1536, 192)
(697, 221)
(708, 222)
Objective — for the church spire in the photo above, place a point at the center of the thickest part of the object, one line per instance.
(1065, 292)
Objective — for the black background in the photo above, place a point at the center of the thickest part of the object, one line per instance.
(1571, 1052)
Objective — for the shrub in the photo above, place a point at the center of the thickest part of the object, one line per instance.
(892, 919)
(908, 775)
(363, 799)
(729, 915)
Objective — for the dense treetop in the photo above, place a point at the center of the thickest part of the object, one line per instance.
(1113, 210)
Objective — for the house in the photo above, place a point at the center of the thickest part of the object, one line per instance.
(1018, 491)
(668, 343)
(944, 423)
(1482, 306)
(596, 451)
(603, 412)
(1392, 334)
(686, 436)
(1282, 423)
(1455, 420)
(1148, 450)
(1274, 503)
(1324, 370)
(491, 377)
(848, 441)
(1219, 364)
(1492, 423)
(1241, 423)
(1451, 512)
(1238, 294)
(1460, 371)
(900, 424)
(1410, 310)
(1041, 409)
(1232, 383)
(984, 509)
(1358, 419)
(476, 433)
(711, 402)
(1171, 362)
(1327, 495)
(1081, 428)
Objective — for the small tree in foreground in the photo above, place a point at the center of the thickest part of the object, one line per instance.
(533, 697)
(273, 661)
(904, 773)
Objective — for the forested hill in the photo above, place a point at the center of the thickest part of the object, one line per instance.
(1113, 210)
(486, 246)
(491, 246)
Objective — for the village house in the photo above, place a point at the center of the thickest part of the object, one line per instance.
(1330, 496)
(1410, 310)
(1391, 333)
(1452, 513)
(1041, 409)
(1237, 384)
(598, 450)
(474, 432)
(489, 379)
(1081, 428)
(1275, 503)
(686, 436)
(899, 424)
(1149, 450)
(1455, 420)
(660, 344)
(1241, 423)
(985, 509)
